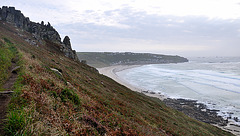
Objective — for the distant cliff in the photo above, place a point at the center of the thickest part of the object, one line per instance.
(103, 59)
(39, 31)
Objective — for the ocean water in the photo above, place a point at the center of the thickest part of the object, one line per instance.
(212, 81)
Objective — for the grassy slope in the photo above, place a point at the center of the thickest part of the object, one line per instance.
(81, 101)
(7, 53)
(103, 59)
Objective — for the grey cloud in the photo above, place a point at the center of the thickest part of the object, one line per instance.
(170, 30)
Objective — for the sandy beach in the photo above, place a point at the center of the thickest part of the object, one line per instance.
(112, 70)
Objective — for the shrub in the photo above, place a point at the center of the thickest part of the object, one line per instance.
(71, 95)
(7, 41)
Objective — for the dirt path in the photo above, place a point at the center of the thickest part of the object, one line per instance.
(5, 95)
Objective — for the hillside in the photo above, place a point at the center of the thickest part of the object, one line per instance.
(103, 59)
(54, 94)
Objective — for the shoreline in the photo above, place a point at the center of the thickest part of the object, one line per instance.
(111, 72)
(207, 115)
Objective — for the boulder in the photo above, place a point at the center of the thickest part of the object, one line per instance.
(56, 71)
(16, 69)
(6, 92)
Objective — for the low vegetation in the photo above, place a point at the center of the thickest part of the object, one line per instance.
(80, 101)
(7, 54)
(103, 59)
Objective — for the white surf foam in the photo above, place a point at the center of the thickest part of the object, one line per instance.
(215, 84)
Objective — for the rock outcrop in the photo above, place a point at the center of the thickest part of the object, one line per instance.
(39, 31)
(67, 48)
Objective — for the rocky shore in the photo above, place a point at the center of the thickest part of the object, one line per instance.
(200, 112)
(191, 108)
(196, 110)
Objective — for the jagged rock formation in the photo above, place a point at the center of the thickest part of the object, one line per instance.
(40, 31)
(67, 48)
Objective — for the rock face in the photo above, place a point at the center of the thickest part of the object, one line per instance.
(12, 15)
(40, 31)
(67, 49)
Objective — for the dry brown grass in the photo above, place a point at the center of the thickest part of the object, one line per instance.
(50, 105)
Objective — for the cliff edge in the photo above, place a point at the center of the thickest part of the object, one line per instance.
(40, 31)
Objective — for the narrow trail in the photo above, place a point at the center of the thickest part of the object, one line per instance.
(5, 96)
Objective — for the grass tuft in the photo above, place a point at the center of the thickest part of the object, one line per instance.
(16, 122)
(70, 95)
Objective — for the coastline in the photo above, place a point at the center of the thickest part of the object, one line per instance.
(111, 72)
(206, 114)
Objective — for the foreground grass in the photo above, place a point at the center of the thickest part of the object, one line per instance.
(79, 101)
(7, 54)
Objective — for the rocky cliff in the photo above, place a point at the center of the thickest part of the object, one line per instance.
(40, 31)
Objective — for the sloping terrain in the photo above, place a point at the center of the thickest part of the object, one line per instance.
(104, 59)
(54, 95)
(9, 75)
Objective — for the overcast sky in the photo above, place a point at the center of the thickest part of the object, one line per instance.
(177, 27)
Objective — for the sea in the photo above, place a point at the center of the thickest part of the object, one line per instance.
(214, 81)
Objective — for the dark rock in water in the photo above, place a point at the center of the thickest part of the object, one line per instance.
(39, 31)
(236, 119)
(145, 91)
(152, 93)
(196, 110)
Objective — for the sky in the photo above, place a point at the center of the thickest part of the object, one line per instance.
(187, 28)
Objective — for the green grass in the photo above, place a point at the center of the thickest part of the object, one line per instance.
(68, 94)
(7, 53)
(16, 119)
(16, 122)
(103, 59)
